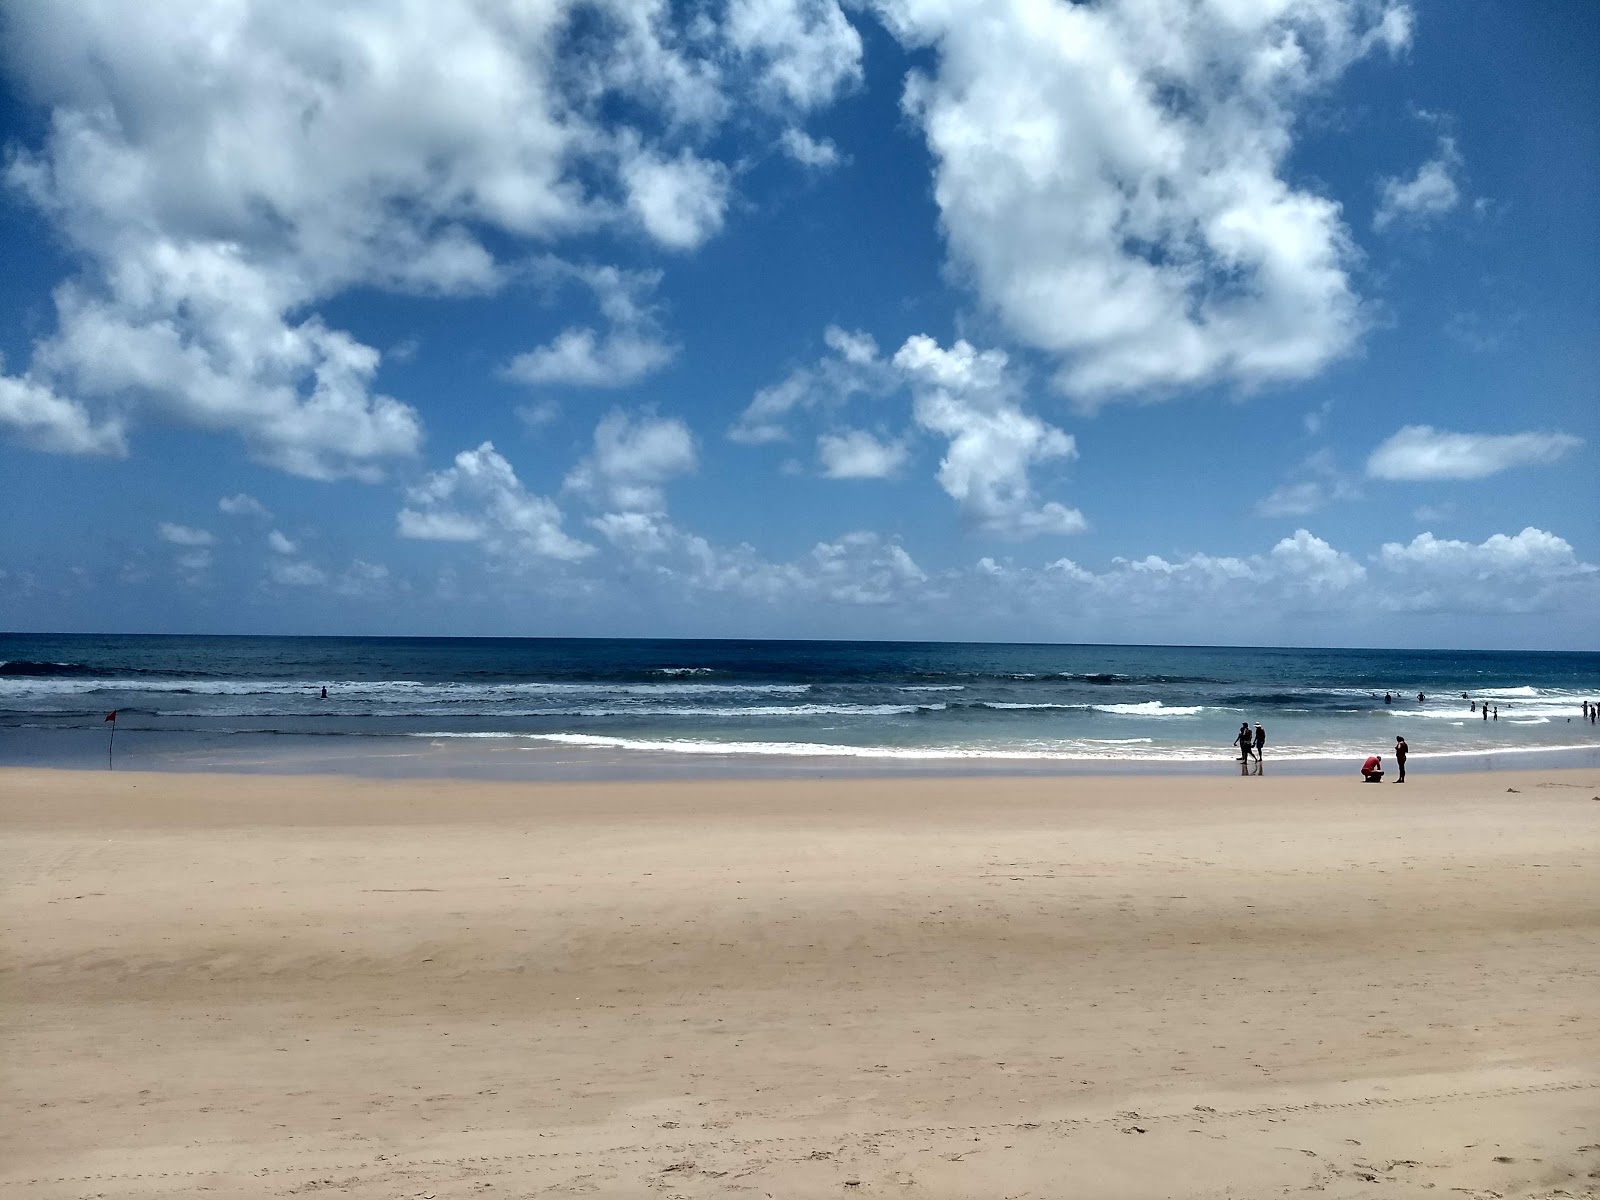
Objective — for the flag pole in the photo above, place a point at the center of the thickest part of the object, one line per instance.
(110, 745)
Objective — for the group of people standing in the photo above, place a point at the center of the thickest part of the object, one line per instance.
(1250, 743)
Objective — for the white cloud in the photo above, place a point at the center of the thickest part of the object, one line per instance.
(243, 504)
(964, 395)
(581, 358)
(856, 454)
(1526, 572)
(632, 461)
(852, 368)
(1315, 566)
(818, 153)
(1112, 179)
(1428, 193)
(1420, 452)
(280, 544)
(807, 49)
(184, 535)
(679, 201)
(222, 171)
(480, 499)
(49, 422)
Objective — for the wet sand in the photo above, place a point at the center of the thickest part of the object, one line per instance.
(1112, 987)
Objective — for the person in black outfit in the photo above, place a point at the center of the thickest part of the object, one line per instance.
(1400, 752)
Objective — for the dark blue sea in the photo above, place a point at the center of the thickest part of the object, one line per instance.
(526, 707)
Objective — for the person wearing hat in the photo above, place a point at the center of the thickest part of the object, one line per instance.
(1261, 740)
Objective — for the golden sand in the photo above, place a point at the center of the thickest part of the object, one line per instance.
(266, 986)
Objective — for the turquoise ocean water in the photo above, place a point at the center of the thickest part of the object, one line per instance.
(526, 707)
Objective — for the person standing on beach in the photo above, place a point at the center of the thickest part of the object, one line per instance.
(1244, 740)
(1261, 741)
(1400, 752)
(1485, 712)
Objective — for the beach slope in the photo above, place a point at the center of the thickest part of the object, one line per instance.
(269, 986)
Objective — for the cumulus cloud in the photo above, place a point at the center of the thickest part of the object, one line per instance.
(480, 499)
(1524, 572)
(223, 172)
(1431, 192)
(184, 535)
(242, 504)
(857, 454)
(1112, 179)
(42, 419)
(579, 356)
(1420, 452)
(969, 398)
(632, 461)
(817, 153)
(280, 544)
(806, 50)
(582, 358)
(965, 396)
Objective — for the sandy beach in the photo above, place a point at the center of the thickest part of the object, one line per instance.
(1112, 987)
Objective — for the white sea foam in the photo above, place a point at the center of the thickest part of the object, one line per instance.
(1152, 708)
(1066, 751)
(932, 687)
(1002, 704)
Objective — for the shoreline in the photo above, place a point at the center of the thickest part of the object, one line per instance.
(943, 987)
(534, 759)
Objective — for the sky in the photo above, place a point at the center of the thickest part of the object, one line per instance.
(1246, 322)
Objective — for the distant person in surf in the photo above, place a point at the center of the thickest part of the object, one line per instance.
(1420, 698)
(1496, 712)
(324, 692)
(1372, 769)
(1400, 752)
(1387, 698)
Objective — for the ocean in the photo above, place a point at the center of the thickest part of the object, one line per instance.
(538, 707)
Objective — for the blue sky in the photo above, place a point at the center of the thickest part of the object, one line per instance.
(1218, 321)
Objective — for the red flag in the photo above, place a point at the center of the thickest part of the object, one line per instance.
(112, 715)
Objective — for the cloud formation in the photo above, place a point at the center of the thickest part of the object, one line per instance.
(480, 499)
(1421, 452)
(1112, 179)
(857, 454)
(1431, 192)
(968, 398)
(222, 171)
(632, 461)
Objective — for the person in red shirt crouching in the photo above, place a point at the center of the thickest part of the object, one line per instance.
(1372, 770)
